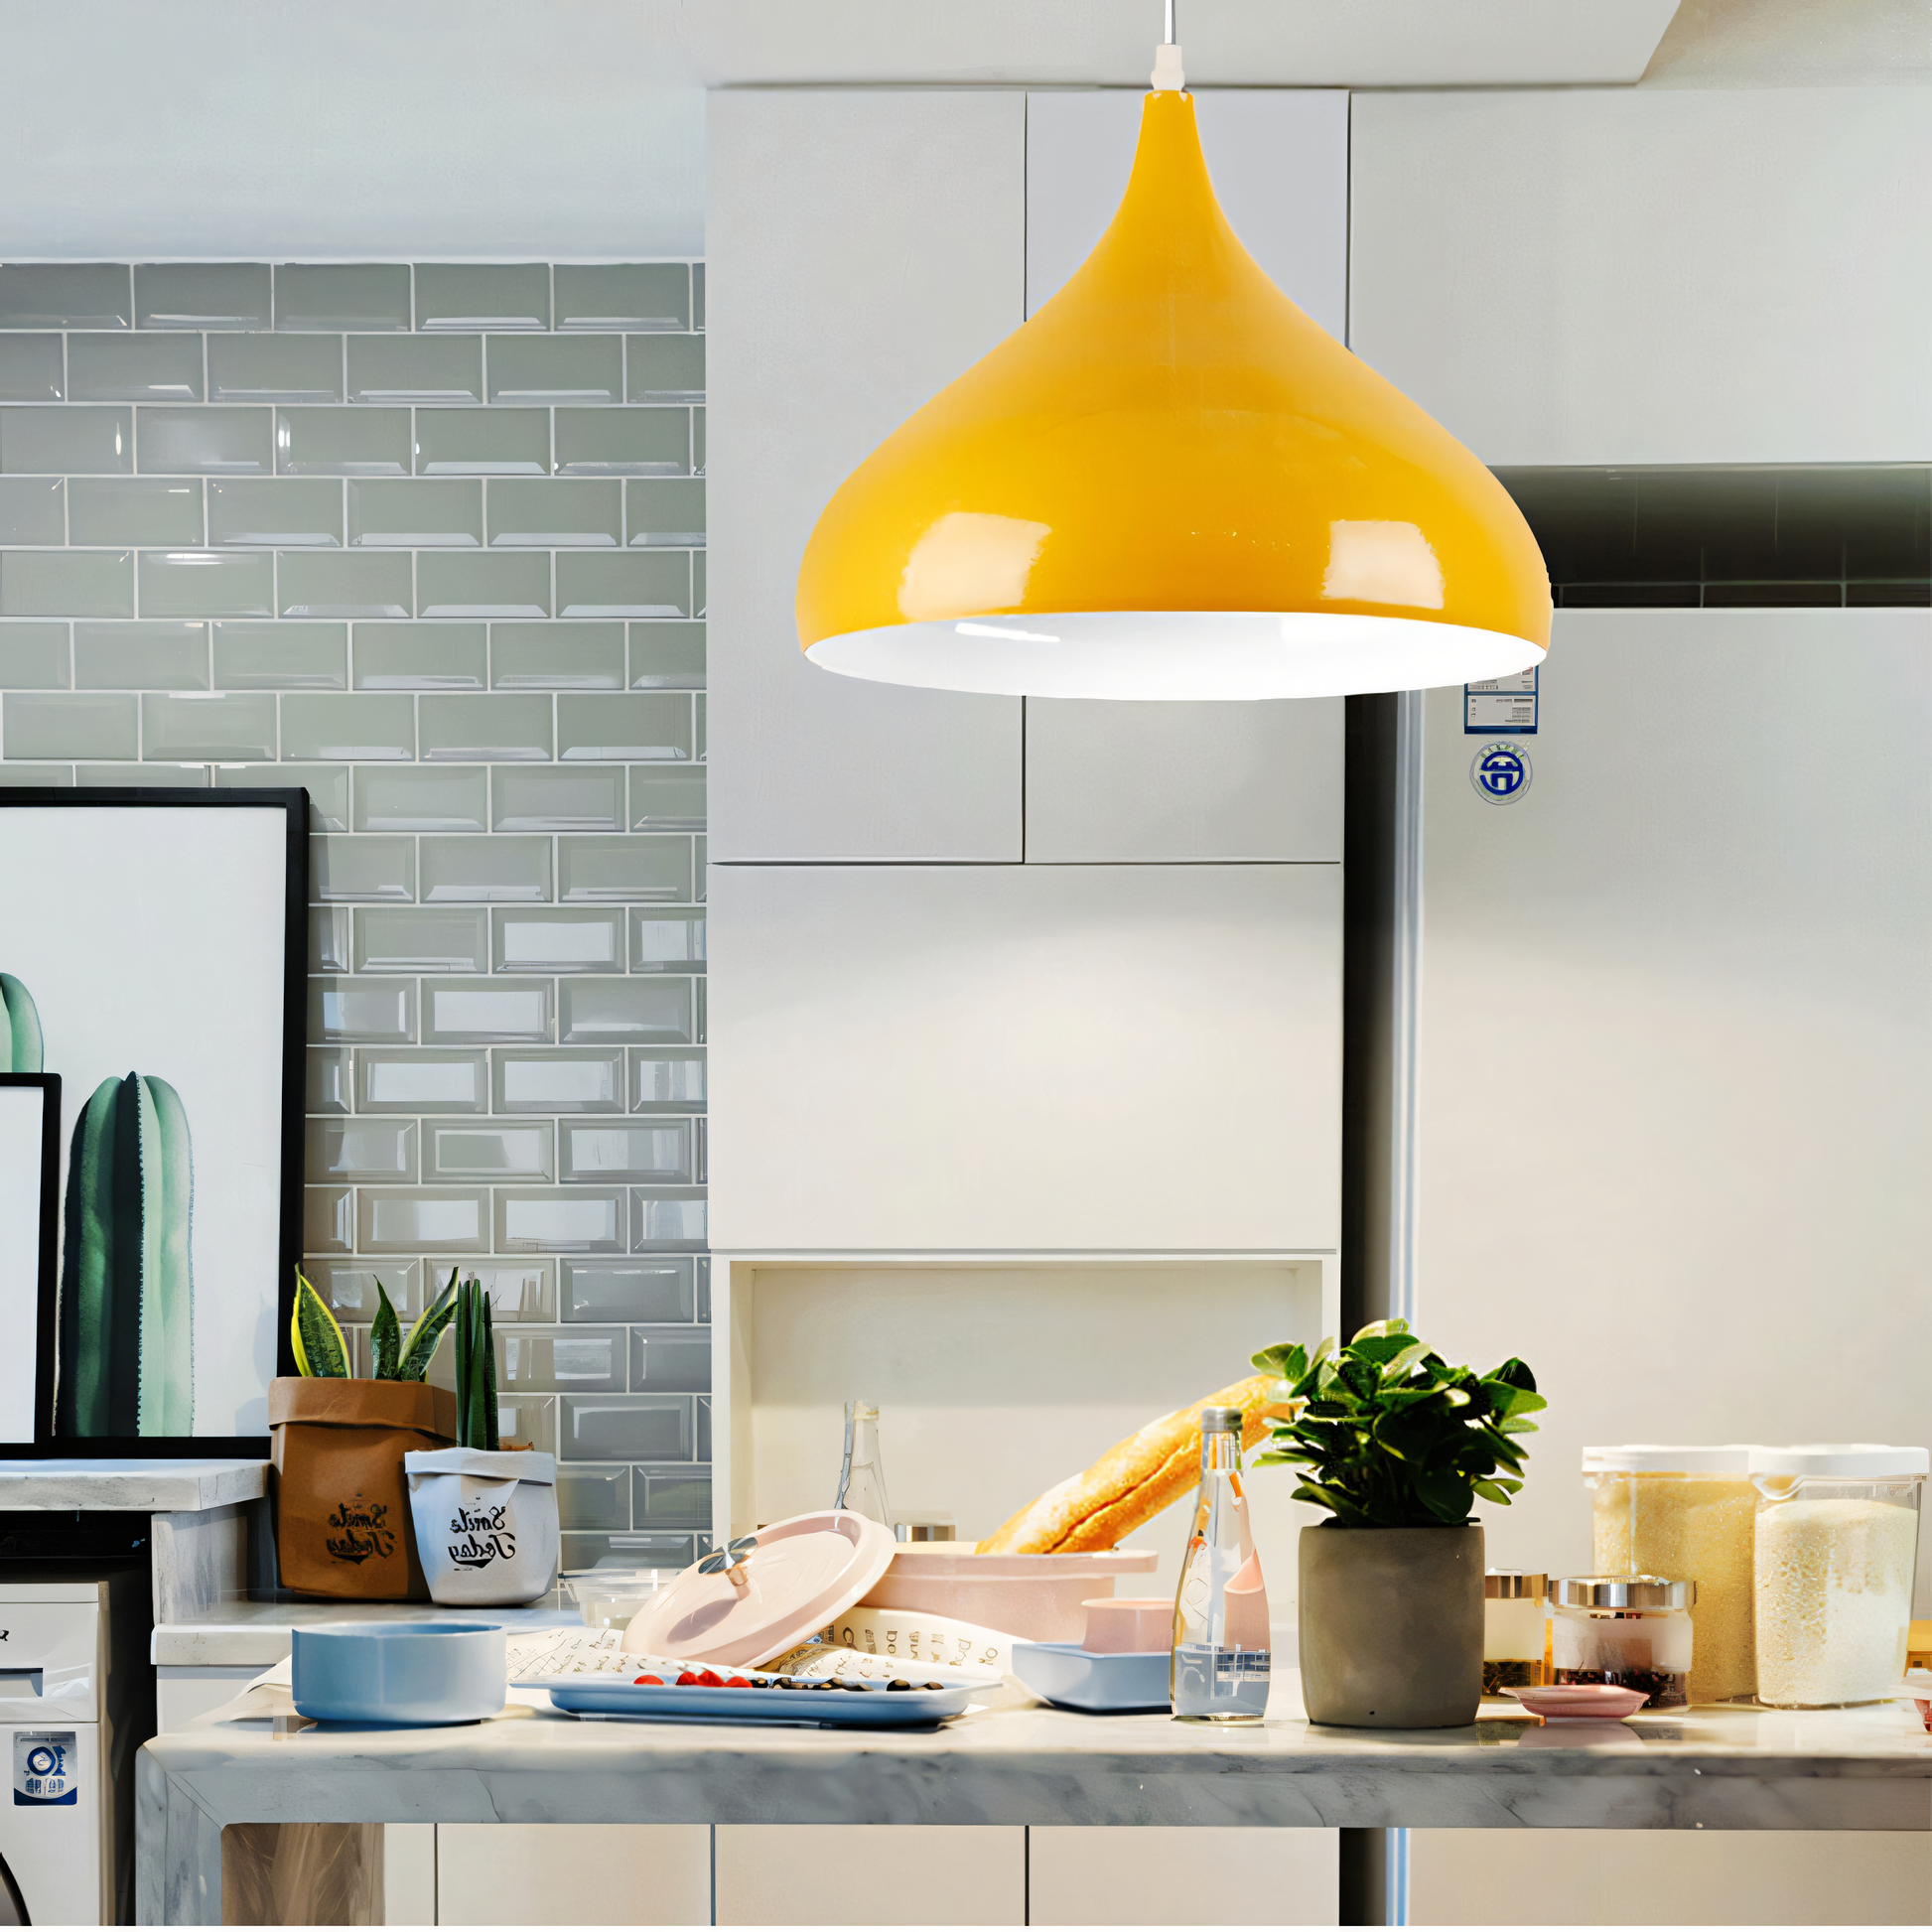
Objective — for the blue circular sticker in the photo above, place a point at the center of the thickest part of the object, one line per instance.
(1501, 773)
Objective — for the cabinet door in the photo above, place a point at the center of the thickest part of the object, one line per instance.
(1181, 1874)
(573, 1874)
(872, 1874)
(1119, 782)
(865, 248)
(1650, 275)
(1026, 1057)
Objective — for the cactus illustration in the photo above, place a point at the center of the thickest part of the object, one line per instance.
(20, 1029)
(127, 1301)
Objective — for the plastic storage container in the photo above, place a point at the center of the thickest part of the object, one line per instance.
(1629, 1630)
(1670, 1510)
(1515, 1631)
(1836, 1544)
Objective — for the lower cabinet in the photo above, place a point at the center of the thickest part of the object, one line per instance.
(872, 1874)
(1197, 1874)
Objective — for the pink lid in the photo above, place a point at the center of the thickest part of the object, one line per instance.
(1117, 1625)
(792, 1580)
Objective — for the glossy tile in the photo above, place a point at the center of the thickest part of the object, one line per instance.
(421, 657)
(414, 514)
(697, 296)
(65, 295)
(30, 370)
(671, 1499)
(666, 1359)
(328, 1221)
(643, 584)
(563, 941)
(483, 295)
(203, 295)
(622, 295)
(652, 869)
(589, 1498)
(622, 442)
(498, 585)
(667, 941)
(667, 657)
(629, 1291)
(661, 1427)
(33, 510)
(349, 1287)
(144, 510)
(625, 1011)
(667, 798)
(66, 584)
(329, 939)
(658, 1151)
(344, 584)
(582, 1361)
(415, 369)
(16, 776)
(664, 369)
(330, 1085)
(140, 656)
(281, 657)
(670, 1220)
(289, 512)
(557, 656)
(207, 584)
(666, 1553)
(419, 939)
(414, 1080)
(167, 776)
(636, 728)
(49, 725)
(205, 442)
(666, 1080)
(360, 868)
(493, 1150)
(529, 1421)
(352, 1012)
(360, 1150)
(67, 442)
(455, 1011)
(500, 871)
(562, 1081)
(558, 798)
(399, 1222)
(553, 514)
(482, 443)
(346, 441)
(520, 1290)
(326, 787)
(497, 729)
(560, 1220)
(556, 370)
(363, 726)
(275, 368)
(134, 368)
(342, 295)
(664, 513)
(34, 657)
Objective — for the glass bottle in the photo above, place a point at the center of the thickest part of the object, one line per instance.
(862, 1479)
(1220, 1664)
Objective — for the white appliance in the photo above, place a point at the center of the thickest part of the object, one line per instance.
(72, 1698)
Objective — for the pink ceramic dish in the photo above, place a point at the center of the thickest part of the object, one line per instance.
(1041, 1598)
(1589, 1703)
(1119, 1625)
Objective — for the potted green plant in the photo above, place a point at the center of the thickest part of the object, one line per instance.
(341, 1518)
(485, 1516)
(1398, 1446)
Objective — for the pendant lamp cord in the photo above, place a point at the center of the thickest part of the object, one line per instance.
(1167, 75)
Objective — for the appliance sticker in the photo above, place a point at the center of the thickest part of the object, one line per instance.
(1501, 773)
(1502, 704)
(44, 1768)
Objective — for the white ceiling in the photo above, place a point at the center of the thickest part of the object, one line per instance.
(574, 128)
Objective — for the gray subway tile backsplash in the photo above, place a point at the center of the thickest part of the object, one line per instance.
(414, 542)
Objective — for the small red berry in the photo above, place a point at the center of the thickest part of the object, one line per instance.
(689, 1677)
(711, 1678)
(738, 1682)
(647, 1680)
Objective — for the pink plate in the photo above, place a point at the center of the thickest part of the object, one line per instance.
(1595, 1703)
(802, 1574)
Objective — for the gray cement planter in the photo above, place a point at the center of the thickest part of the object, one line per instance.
(1391, 1624)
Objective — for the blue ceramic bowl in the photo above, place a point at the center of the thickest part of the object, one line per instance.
(429, 1673)
(1093, 1679)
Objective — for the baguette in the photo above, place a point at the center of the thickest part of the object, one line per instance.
(1130, 1484)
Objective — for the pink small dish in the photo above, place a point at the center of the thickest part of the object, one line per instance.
(1587, 1703)
(1119, 1624)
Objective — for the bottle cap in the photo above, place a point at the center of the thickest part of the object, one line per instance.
(1508, 1585)
(1621, 1593)
(1220, 1421)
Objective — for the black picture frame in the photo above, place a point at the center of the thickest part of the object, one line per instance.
(291, 803)
(49, 1268)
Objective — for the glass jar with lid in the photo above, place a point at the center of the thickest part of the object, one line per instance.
(1635, 1631)
(1837, 1542)
(1672, 1510)
(1515, 1634)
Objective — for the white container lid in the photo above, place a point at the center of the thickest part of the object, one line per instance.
(1646, 1458)
(1842, 1462)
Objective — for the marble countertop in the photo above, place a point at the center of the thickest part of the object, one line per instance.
(129, 1483)
(256, 1634)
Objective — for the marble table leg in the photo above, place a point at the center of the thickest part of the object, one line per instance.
(177, 1852)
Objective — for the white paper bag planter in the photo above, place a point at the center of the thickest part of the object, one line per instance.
(485, 1522)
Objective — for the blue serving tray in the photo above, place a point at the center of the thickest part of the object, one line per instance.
(1094, 1680)
(867, 1710)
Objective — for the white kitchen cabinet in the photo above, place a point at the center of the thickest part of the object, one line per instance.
(1650, 275)
(865, 247)
(1026, 1058)
(872, 1874)
(1120, 782)
(573, 1874)
(1196, 1874)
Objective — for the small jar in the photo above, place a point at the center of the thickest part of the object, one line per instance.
(1835, 1546)
(1515, 1637)
(1635, 1631)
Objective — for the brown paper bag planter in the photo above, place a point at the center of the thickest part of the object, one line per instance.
(341, 1508)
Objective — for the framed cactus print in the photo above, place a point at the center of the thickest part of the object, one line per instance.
(30, 1236)
(152, 947)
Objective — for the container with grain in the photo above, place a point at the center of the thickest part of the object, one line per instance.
(1672, 1510)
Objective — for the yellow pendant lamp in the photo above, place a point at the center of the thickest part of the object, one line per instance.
(1171, 483)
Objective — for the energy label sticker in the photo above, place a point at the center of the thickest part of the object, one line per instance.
(44, 1768)
(1502, 704)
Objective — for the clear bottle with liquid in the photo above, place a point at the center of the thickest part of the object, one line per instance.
(862, 1479)
(1220, 1664)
